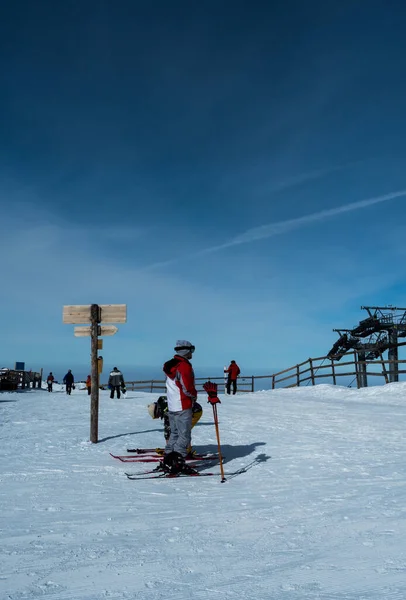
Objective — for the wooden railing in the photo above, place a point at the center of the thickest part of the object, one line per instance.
(310, 372)
(245, 384)
(324, 368)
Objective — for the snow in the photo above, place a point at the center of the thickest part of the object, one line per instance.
(319, 514)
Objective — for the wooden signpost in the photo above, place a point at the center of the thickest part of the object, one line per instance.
(95, 314)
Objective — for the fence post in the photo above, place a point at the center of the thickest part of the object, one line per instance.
(152, 385)
(297, 375)
(333, 371)
(273, 382)
(252, 383)
(311, 371)
(357, 369)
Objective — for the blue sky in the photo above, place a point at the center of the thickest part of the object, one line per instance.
(232, 171)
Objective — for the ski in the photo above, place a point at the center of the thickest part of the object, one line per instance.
(155, 471)
(160, 452)
(146, 450)
(157, 475)
(140, 457)
(157, 458)
(134, 476)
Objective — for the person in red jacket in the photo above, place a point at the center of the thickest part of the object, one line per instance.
(181, 395)
(50, 380)
(233, 372)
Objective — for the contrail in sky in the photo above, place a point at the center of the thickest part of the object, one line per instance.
(266, 231)
(280, 227)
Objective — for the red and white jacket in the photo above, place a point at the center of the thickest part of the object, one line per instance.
(180, 384)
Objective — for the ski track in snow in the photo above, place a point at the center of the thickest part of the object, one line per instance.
(319, 514)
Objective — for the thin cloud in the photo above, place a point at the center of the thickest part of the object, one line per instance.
(281, 227)
(266, 231)
(298, 180)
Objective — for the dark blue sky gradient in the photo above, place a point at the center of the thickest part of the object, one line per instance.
(174, 126)
(187, 103)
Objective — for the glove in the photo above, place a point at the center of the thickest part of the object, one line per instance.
(211, 389)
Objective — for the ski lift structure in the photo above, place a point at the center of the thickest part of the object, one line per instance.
(378, 333)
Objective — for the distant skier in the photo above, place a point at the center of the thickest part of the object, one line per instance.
(69, 381)
(50, 380)
(89, 385)
(116, 382)
(233, 372)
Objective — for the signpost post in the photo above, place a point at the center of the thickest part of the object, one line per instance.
(94, 397)
(95, 314)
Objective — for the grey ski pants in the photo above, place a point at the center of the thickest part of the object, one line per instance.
(181, 426)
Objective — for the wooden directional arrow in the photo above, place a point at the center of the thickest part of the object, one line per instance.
(76, 314)
(108, 330)
(104, 330)
(81, 331)
(113, 313)
(108, 313)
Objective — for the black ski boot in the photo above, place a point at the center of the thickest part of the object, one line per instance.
(188, 470)
(174, 464)
(160, 467)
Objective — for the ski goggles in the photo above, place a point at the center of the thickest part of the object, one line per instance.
(190, 348)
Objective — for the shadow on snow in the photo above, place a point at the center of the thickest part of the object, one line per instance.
(113, 437)
(230, 453)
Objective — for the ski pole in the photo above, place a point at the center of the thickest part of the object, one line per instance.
(211, 389)
(216, 424)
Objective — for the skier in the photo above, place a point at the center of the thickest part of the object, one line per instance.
(159, 410)
(50, 380)
(181, 395)
(69, 381)
(233, 372)
(116, 381)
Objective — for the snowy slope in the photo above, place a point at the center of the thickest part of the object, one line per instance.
(319, 515)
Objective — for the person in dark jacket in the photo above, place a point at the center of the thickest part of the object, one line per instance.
(69, 381)
(50, 380)
(233, 372)
(116, 382)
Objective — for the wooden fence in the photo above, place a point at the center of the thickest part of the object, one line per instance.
(347, 371)
(11, 380)
(328, 370)
(245, 384)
